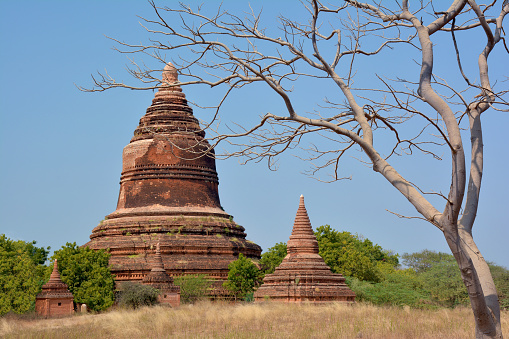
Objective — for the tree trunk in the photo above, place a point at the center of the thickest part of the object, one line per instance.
(486, 281)
(478, 281)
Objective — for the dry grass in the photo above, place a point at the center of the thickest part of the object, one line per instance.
(268, 320)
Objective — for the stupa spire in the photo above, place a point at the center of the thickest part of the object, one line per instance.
(303, 239)
(55, 276)
(170, 74)
(170, 94)
(158, 262)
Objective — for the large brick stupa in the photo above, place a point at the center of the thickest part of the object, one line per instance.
(303, 275)
(169, 194)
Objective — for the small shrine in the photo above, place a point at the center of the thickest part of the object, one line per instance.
(55, 298)
(303, 275)
(159, 279)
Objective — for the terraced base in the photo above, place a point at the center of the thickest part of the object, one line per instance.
(197, 242)
(304, 278)
(303, 275)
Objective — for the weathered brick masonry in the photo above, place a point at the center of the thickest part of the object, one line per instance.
(55, 298)
(159, 279)
(303, 275)
(169, 194)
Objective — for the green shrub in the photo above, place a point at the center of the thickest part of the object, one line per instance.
(243, 277)
(389, 293)
(249, 297)
(192, 287)
(134, 295)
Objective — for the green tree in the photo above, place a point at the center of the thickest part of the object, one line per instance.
(21, 274)
(424, 260)
(39, 255)
(135, 295)
(352, 255)
(443, 281)
(193, 287)
(439, 275)
(87, 274)
(243, 277)
(273, 257)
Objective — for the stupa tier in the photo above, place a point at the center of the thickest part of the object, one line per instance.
(303, 275)
(169, 194)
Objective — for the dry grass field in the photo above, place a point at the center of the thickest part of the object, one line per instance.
(268, 320)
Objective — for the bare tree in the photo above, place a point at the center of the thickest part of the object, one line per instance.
(227, 50)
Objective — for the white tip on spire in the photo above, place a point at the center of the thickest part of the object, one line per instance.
(170, 74)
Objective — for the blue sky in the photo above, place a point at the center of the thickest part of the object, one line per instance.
(61, 148)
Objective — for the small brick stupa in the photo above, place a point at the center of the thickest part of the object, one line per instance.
(169, 194)
(158, 278)
(303, 275)
(55, 298)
